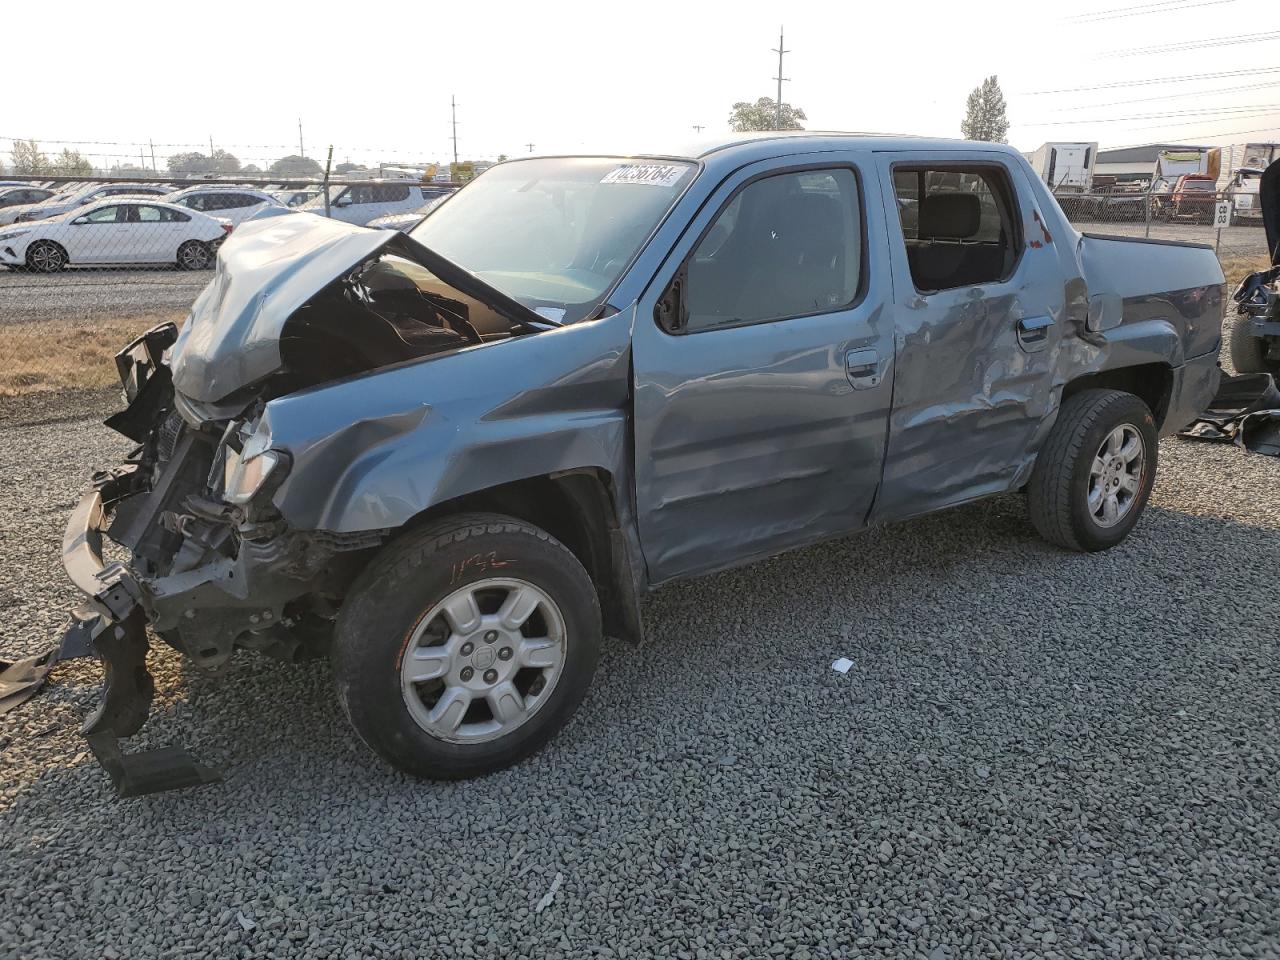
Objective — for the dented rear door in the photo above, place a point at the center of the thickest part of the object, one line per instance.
(974, 363)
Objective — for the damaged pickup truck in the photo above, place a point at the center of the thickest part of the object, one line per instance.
(453, 460)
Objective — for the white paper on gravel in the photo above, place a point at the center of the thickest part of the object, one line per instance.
(842, 665)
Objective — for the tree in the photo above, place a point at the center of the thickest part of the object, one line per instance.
(347, 167)
(984, 115)
(294, 166)
(28, 160)
(219, 162)
(251, 168)
(72, 164)
(763, 115)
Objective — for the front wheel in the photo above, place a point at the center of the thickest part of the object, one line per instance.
(45, 256)
(465, 646)
(1094, 475)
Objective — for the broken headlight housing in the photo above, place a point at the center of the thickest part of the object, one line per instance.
(251, 469)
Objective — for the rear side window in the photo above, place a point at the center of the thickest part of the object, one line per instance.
(959, 223)
(785, 246)
(391, 192)
(196, 201)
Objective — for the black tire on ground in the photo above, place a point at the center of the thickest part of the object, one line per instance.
(1058, 494)
(1248, 354)
(390, 602)
(46, 256)
(194, 255)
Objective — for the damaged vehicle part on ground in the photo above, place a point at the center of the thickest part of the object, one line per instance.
(1252, 330)
(458, 458)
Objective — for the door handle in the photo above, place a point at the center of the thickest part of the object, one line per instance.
(1033, 332)
(862, 367)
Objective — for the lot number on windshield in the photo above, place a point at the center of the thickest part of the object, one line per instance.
(656, 174)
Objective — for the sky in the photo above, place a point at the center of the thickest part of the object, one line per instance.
(570, 77)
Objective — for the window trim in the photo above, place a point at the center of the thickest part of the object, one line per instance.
(965, 166)
(682, 270)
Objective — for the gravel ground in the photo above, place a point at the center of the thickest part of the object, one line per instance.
(93, 294)
(1035, 754)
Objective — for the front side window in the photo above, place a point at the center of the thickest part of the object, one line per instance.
(555, 233)
(959, 224)
(194, 202)
(786, 246)
(102, 215)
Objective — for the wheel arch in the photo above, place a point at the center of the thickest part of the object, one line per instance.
(580, 509)
(1152, 383)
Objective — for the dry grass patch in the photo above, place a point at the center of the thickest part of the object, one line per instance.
(1237, 268)
(50, 355)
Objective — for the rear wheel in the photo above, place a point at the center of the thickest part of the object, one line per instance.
(1248, 354)
(194, 255)
(1092, 479)
(465, 646)
(45, 256)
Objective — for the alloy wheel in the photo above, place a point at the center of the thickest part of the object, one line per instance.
(1115, 476)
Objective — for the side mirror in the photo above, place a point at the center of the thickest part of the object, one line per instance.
(342, 202)
(671, 311)
(79, 221)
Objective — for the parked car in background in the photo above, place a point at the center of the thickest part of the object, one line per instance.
(294, 198)
(233, 204)
(69, 200)
(359, 203)
(115, 231)
(1192, 198)
(404, 222)
(20, 196)
(455, 459)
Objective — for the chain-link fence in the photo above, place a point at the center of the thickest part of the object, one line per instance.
(85, 265)
(92, 263)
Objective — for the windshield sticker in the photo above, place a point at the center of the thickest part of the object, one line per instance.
(655, 174)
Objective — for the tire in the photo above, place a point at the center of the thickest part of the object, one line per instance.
(46, 256)
(1068, 496)
(194, 255)
(1248, 354)
(399, 660)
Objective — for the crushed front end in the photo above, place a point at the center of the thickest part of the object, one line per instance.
(211, 565)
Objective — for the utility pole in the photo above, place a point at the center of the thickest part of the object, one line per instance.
(211, 146)
(453, 107)
(698, 128)
(777, 117)
(301, 151)
(530, 146)
(153, 155)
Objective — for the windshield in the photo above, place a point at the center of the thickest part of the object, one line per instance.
(555, 234)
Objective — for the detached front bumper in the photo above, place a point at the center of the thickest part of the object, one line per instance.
(111, 626)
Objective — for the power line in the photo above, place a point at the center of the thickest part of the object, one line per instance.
(1186, 46)
(1170, 96)
(1139, 12)
(1261, 108)
(1216, 133)
(1184, 78)
(1116, 10)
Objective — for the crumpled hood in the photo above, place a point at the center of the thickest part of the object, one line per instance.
(268, 268)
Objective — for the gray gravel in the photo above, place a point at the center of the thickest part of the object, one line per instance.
(97, 294)
(1035, 754)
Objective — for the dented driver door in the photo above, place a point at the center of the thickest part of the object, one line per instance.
(978, 306)
(763, 363)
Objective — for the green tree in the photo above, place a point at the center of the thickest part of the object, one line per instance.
(763, 115)
(219, 162)
(347, 167)
(294, 166)
(28, 160)
(984, 114)
(72, 164)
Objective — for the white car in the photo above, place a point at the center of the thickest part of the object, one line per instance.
(70, 199)
(359, 203)
(404, 222)
(23, 195)
(114, 232)
(235, 204)
(294, 198)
